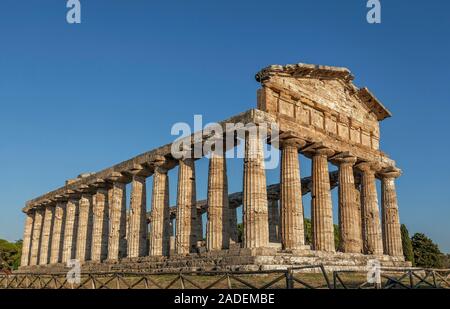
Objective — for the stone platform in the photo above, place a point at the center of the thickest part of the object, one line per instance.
(233, 260)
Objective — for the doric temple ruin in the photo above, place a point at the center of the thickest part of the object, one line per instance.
(319, 113)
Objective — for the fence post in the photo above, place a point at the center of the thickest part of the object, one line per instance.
(289, 279)
(411, 279)
(434, 279)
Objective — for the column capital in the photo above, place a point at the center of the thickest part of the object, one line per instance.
(85, 190)
(293, 142)
(318, 149)
(368, 167)
(390, 172)
(99, 184)
(159, 163)
(344, 158)
(138, 170)
(117, 177)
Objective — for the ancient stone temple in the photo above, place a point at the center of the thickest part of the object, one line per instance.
(319, 113)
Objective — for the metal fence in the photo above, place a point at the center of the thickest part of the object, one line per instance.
(307, 277)
(395, 279)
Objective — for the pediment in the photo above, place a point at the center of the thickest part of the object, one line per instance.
(325, 85)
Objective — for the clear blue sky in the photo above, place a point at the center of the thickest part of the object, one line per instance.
(79, 98)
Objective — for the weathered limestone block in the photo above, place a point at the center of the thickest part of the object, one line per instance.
(349, 207)
(137, 239)
(36, 238)
(392, 239)
(186, 229)
(46, 235)
(160, 227)
(85, 223)
(371, 229)
(58, 233)
(117, 245)
(100, 226)
(27, 233)
(274, 221)
(217, 229)
(321, 205)
(255, 208)
(71, 229)
(292, 229)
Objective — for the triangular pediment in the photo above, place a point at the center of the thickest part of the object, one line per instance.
(331, 86)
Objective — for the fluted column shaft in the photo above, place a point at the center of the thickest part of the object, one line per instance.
(199, 225)
(160, 227)
(255, 208)
(100, 226)
(392, 239)
(217, 229)
(36, 238)
(46, 236)
(371, 228)
(59, 223)
(349, 208)
(292, 229)
(27, 234)
(186, 230)
(321, 210)
(274, 221)
(70, 231)
(232, 228)
(137, 240)
(117, 244)
(84, 233)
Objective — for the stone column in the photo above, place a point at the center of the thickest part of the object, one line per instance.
(274, 221)
(71, 229)
(27, 234)
(321, 205)
(349, 208)
(36, 238)
(199, 225)
(84, 233)
(392, 239)
(46, 235)
(255, 209)
(117, 245)
(137, 240)
(172, 238)
(371, 229)
(100, 228)
(292, 229)
(160, 228)
(233, 230)
(58, 233)
(186, 237)
(217, 229)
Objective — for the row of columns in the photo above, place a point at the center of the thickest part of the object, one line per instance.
(92, 224)
(359, 220)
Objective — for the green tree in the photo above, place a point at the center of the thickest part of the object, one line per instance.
(240, 228)
(407, 245)
(426, 252)
(308, 231)
(10, 254)
(446, 261)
